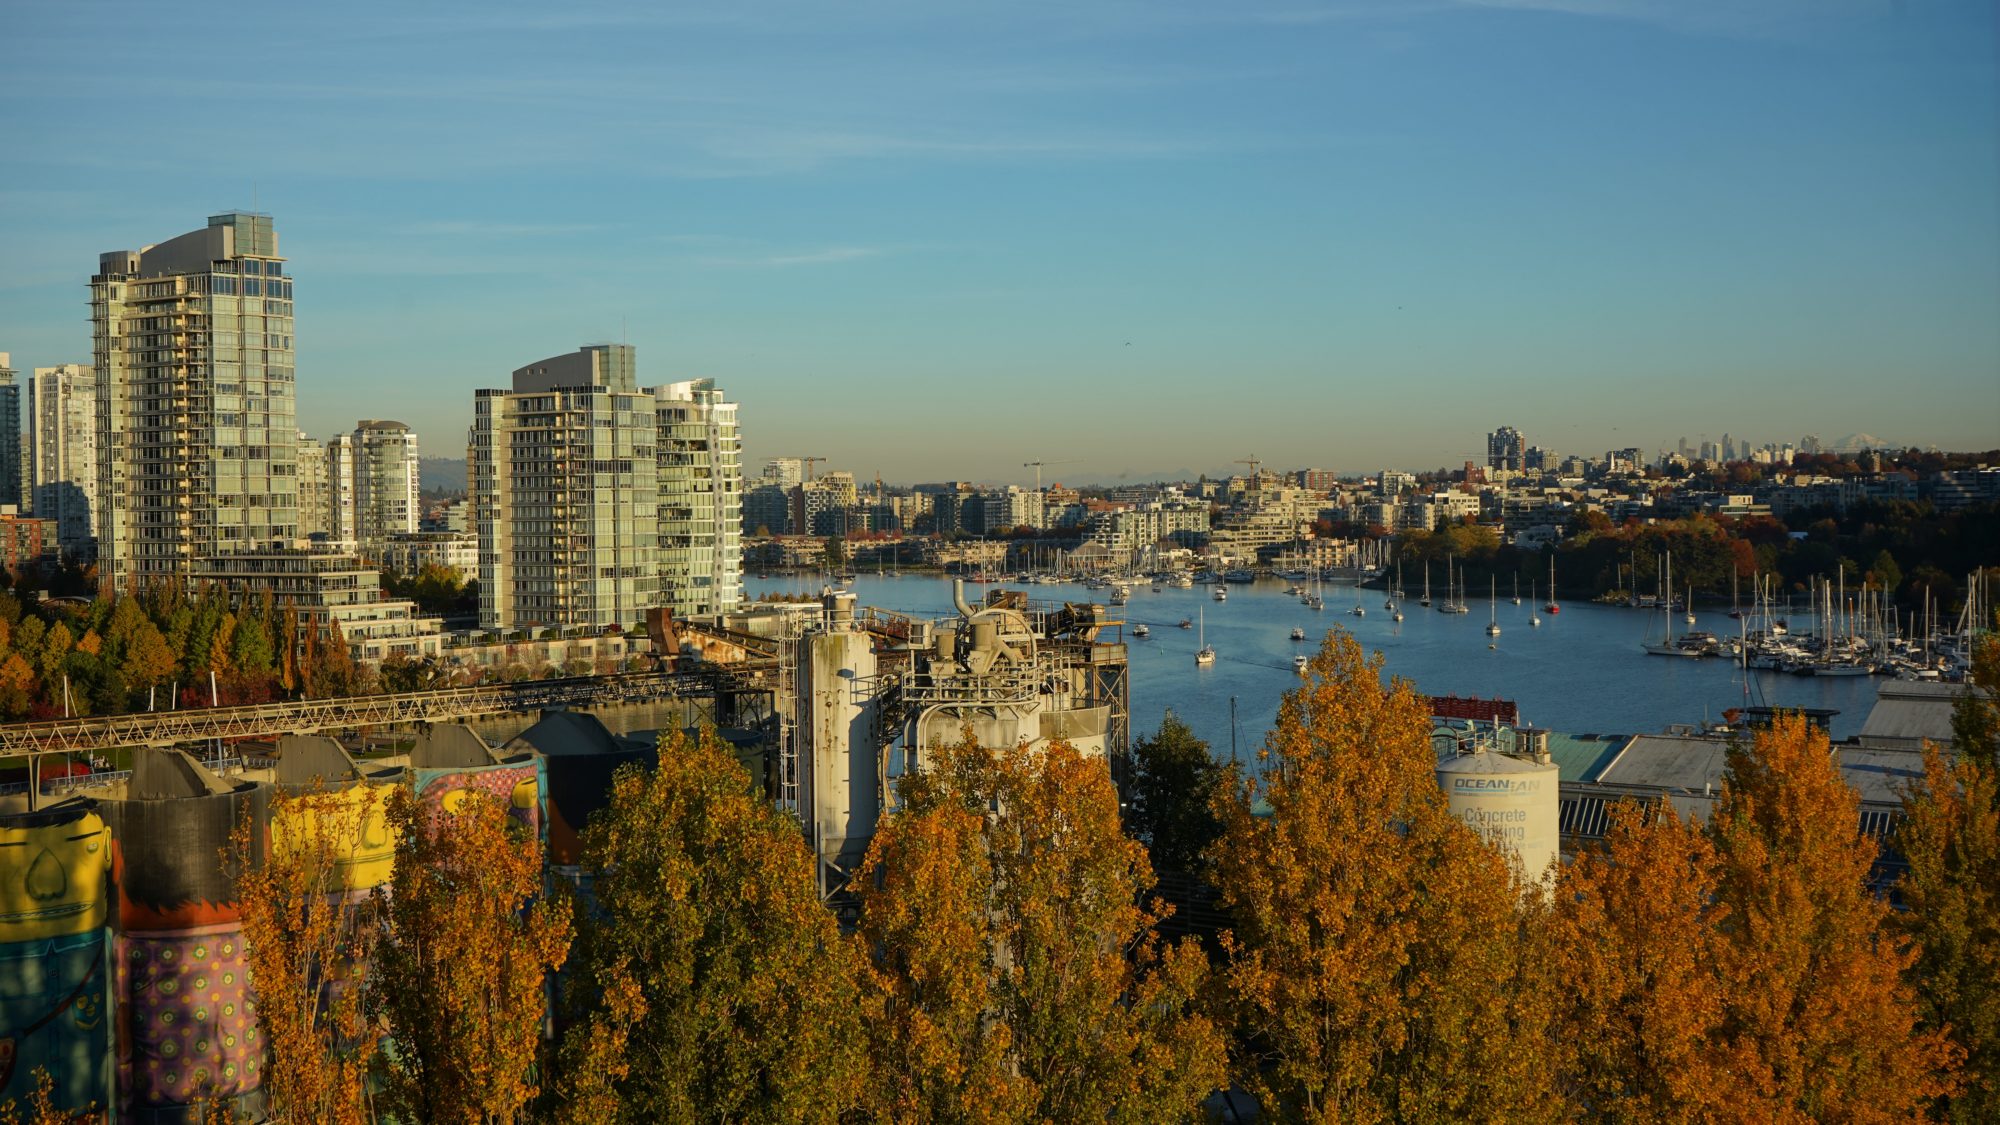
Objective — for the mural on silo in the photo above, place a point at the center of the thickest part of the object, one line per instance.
(186, 1019)
(53, 908)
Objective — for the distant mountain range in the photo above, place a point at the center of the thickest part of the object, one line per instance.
(441, 474)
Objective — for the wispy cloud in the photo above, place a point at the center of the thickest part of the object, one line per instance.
(472, 229)
(1757, 18)
(825, 256)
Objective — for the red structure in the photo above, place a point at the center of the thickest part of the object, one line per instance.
(1476, 709)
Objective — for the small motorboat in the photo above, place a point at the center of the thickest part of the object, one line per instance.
(1298, 633)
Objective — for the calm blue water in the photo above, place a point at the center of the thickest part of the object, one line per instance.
(1581, 671)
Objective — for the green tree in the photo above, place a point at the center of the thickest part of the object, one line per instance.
(1377, 965)
(1818, 1022)
(1001, 901)
(717, 986)
(250, 647)
(833, 556)
(1173, 784)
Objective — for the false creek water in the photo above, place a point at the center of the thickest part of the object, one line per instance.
(1582, 671)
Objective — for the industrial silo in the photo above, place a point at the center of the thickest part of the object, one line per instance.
(1511, 797)
(334, 795)
(447, 762)
(186, 1020)
(579, 758)
(53, 906)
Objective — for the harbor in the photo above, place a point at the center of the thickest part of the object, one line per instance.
(1583, 670)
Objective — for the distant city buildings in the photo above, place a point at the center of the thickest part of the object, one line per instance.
(11, 493)
(383, 482)
(1506, 449)
(192, 349)
(62, 436)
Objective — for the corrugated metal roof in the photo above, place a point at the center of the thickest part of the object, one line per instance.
(1907, 713)
(1657, 761)
(1581, 757)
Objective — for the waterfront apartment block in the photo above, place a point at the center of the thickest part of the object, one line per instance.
(193, 354)
(595, 500)
(700, 450)
(62, 436)
(564, 480)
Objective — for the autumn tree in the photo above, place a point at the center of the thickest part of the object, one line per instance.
(42, 1107)
(1818, 1022)
(464, 946)
(713, 983)
(1950, 837)
(1172, 788)
(1001, 905)
(308, 943)
(1376, 965)
(1631, 947)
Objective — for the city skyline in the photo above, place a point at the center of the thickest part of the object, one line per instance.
(1143, 240)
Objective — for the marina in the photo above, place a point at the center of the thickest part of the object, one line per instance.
(1582, 672)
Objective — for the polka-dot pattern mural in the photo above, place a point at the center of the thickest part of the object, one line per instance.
(192, 1023)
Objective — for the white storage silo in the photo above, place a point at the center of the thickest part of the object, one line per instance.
(1512, 800)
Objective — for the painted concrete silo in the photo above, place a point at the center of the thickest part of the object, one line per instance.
(186, 1019)
(1511, 799)
(53, 905)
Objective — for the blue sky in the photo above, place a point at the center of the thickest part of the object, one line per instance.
(942, 239)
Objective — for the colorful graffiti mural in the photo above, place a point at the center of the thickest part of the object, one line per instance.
(186, 1027)
(514, 785)
(53, 906)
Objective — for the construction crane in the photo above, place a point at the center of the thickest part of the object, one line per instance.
(808, 462)
(1037, 466)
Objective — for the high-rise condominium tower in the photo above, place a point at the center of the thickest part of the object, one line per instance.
(196, 423)
(595, 501)
(10, 434)
(565, 485)
(383, 480)
(701, 498)
(315, 489)
(1504, 449)
(62, 434)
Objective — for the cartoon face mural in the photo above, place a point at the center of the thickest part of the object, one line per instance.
(52, 869)
(53, 907)
(514, 786)
(355, 820)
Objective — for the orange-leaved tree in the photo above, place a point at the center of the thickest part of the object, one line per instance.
(711, 983)
(308, 937)
(1950, 836)
(1377, 962)
(1818, 1022)
(465, 943)
(1631, 948)
(1000, 903)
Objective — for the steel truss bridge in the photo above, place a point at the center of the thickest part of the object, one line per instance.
(310, 716)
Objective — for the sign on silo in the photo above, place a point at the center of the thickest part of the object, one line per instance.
(1511, 802)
